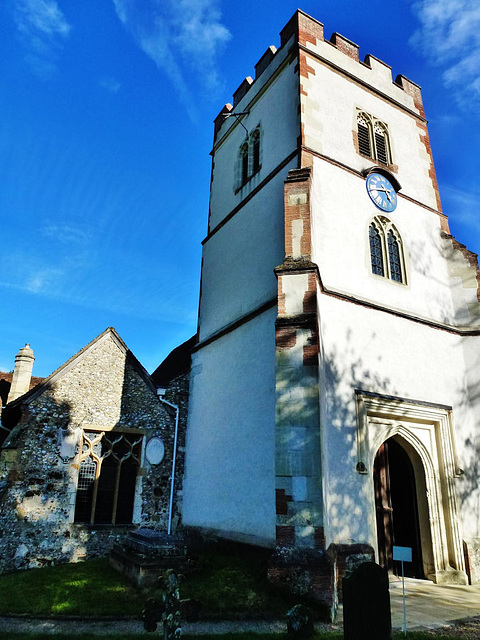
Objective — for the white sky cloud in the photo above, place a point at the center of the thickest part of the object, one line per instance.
(43, 28)
(180, 36)
(110, 84)
(450, 37)
(65, 233)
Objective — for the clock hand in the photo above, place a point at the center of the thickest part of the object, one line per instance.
(387, 191)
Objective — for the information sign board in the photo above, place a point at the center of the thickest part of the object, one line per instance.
(404, 554)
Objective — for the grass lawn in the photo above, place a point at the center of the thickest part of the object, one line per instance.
(241, 636)
(224, 585)
(227, 584)
(86, 588)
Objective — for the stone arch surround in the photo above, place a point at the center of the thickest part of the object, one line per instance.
(426, 432)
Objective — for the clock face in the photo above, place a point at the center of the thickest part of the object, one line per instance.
(381, 192)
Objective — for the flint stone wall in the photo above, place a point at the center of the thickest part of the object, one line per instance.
(101, 390)
(177, 393)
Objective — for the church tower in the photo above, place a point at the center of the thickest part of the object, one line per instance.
(339, 323)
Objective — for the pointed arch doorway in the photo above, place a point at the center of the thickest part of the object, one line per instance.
(425, 433)
(396, 507)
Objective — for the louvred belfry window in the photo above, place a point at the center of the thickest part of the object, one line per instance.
(108, 470)
(381, 143)
(364, 135)
(249, 160)
(255, 141)
(244, 159)
(373, 139)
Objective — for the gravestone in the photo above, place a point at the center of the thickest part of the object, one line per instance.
(167, 611)
(366, 604)
(300, 622)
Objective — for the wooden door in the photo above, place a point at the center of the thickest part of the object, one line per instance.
(383, 508)
(396, 508)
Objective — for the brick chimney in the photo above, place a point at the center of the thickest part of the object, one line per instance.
(22, 373)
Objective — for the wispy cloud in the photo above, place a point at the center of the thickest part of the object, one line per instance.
(43, 280)
(43, 29)
(180, 36)
(110, 84)
(449, 36)
(66, 234)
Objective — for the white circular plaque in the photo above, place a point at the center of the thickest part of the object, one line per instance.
(155, 450)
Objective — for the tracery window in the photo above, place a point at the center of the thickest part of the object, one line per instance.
(373, 138)
(108, 469)
(386, 250)
(255, 142)
(364, 134)
(376, 253)
(381, 142)
(244, 162)
(394, 257)
(249, 162)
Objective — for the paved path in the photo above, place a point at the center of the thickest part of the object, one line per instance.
(429, 606)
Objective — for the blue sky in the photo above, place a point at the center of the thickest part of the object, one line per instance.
(106, 110)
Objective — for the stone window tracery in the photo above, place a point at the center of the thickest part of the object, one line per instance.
(386, 250)
(109, 463)
(373, 138)
(255, 144)
(394, 257)
(376, 253)
(244, 162)
(249, 158)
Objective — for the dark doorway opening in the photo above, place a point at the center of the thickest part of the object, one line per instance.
(396, 508)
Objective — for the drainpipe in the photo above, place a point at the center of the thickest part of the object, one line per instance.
(174, 461)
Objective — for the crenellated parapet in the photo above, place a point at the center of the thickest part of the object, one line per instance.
(307, 34)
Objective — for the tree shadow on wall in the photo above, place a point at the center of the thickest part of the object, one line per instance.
(343, 373)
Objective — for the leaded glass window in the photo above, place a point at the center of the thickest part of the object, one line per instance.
(376, 253)
(386, 250)
(394, 257)
(109, 465)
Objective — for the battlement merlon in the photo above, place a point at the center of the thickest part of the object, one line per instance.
(338, 52)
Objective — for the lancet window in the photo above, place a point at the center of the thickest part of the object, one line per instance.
(373, 138)
(249, 162)
(386, 250)
(376, 253)
(244, 162)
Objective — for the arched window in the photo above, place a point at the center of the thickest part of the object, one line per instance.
(394, 257)
(373, 139)
(249, 160)
(376, 253)
(108, 470)
(386, 250)
(364, 128)
(381, 143)
(255, 145)
(244, 162)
